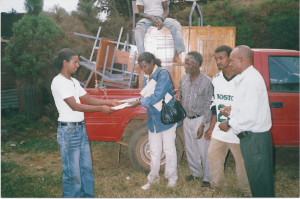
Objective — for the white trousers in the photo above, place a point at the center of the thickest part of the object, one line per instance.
(196, 149)
(159, 142)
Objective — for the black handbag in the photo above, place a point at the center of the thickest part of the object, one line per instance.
(172, 114)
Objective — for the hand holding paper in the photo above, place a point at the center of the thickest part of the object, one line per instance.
(149, 90)
(121, 106)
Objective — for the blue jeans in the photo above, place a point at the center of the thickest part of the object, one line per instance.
(77, 179)
(174, 26)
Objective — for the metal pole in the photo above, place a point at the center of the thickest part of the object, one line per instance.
(200, 18)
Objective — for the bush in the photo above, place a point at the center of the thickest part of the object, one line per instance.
(31, 49)
(268, 24)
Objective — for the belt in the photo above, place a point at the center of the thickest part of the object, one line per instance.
(193, 117)
(243, 134)
(71, 123)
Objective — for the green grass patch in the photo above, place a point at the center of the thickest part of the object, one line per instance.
(34, 145)
(32, 169)
(19, 183)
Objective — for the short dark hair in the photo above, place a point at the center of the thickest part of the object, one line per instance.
(197, 56)
(148, 57)
(64, 54)
(225, 48)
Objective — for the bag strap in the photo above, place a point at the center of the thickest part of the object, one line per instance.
(158, 74)
(157, 79)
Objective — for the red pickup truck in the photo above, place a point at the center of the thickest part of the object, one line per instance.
(280, 70)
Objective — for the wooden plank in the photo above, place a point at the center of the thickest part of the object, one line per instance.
(101, 59)
(136, 10)
(102, 53)
(204, 40)
(122, 57)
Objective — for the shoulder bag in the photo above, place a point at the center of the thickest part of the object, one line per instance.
(171, 114)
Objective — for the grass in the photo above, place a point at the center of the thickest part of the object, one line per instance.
(32, 168)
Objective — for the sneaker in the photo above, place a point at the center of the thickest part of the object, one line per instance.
(171, 184)
(205, 184)
(190, 178)
(146, 186)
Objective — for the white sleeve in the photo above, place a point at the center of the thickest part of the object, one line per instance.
(82, 92)
(61, 90)
(140, 2)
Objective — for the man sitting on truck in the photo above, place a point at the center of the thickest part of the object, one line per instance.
(155, 13)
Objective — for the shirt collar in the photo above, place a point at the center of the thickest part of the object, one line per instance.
(154, 69)
(241, 76)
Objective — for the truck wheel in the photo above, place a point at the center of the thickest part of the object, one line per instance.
(139, 150)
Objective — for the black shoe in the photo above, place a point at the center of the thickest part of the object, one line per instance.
(190, 178)
(205, 184)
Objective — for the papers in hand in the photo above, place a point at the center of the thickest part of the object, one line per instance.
(158, 105)
(149, 90)
(120, 106)
(129, 100)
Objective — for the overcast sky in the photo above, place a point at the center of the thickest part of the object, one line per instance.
(18, 5)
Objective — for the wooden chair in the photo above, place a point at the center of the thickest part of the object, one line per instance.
(108, 55)
(98, 64)
(121, 78)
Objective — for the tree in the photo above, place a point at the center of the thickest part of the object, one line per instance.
(87, 12)
(31, 49)
(34, 7)
(30, 53)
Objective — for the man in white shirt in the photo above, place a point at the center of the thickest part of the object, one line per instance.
(221, 142)
(77, 179)
(155, 13)
(250, 120)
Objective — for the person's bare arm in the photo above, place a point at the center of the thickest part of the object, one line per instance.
(87, 108)
(224, 126)
(225, 111)
(208, 133)
(94, 101)
(165, 6)
(165, 14)
(156, 21)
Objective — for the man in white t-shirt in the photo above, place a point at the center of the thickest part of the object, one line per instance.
(221, 142)
(155, 13)
(77, 179)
